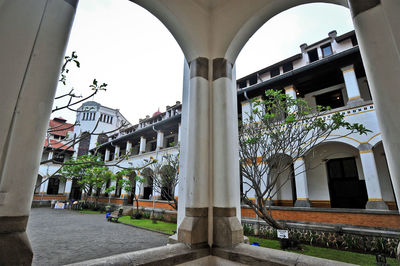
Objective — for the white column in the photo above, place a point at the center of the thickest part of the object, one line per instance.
(351, 83)
(44, 185)
(50, 156)
(128, 148)
(124, 193)
(375, 199)
(246, 111)
(179, 133)
(142, 146)
(301, 184)
(117, 152)
(226, 226)
(160, 140)
(68, 186)
(193, 229)
(378, 35)
(291, 92)
(184, 142)
(107, 155)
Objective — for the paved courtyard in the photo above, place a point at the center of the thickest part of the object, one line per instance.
(60, 237)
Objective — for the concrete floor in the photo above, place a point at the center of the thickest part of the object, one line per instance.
(61, 237)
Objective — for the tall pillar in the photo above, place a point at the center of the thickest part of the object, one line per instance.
(193, 230)
(107, 155)
(184, 138)
(50, 156)
(124, 193)
(291, 92)
(117, 152)
(377, 26)
(31, 56)
(142, 145)
(44, 185)
(160, 140)
(375, 199)
(246, 111)
(128, 147)
(68, 188)
(227, 229)
(351, 83)
(301, 184)
(212, 197)
(179, 133)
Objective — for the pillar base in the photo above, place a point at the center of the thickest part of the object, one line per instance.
(15, 248)
(227, 230)
(193, 230)
(376, 205)
(303, 203)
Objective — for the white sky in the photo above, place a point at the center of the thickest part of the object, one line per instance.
(122, 44)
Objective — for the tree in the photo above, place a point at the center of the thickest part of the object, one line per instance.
(90, 173)
(166, 178)
(129, 182)
(67, 101)
(278, 131)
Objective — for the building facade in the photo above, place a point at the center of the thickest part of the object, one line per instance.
(341, 176)
(94, 123)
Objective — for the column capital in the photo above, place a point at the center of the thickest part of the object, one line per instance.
(222, 68)
(365, 147)
(347, 68)
(199, 67)
(289, 88)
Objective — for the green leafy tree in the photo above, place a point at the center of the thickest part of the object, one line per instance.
(90, 173)
(127, 179)
(279, 130)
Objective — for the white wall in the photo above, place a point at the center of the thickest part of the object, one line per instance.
(317, 176)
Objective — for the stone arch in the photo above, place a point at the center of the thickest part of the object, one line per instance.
(261, 16)
(324, 184)
(376, 139)
(190, 22)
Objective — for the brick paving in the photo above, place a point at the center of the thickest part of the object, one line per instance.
(61, 237)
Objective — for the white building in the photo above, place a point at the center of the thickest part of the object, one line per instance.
(347, 173)
(99, 121)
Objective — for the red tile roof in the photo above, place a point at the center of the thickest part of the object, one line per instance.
(56, 144)
(58, 126)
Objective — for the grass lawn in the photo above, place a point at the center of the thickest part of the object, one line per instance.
(326, 253)
(90, 212)
(147, 223)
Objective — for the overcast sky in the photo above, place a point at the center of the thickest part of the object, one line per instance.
(120, 43)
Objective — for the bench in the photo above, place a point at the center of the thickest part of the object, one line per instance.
(114, 216)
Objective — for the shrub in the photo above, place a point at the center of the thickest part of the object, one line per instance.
(248, 230)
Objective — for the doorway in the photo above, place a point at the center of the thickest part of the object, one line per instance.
(345, 188)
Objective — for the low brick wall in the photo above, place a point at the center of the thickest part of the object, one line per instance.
(386, 219)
